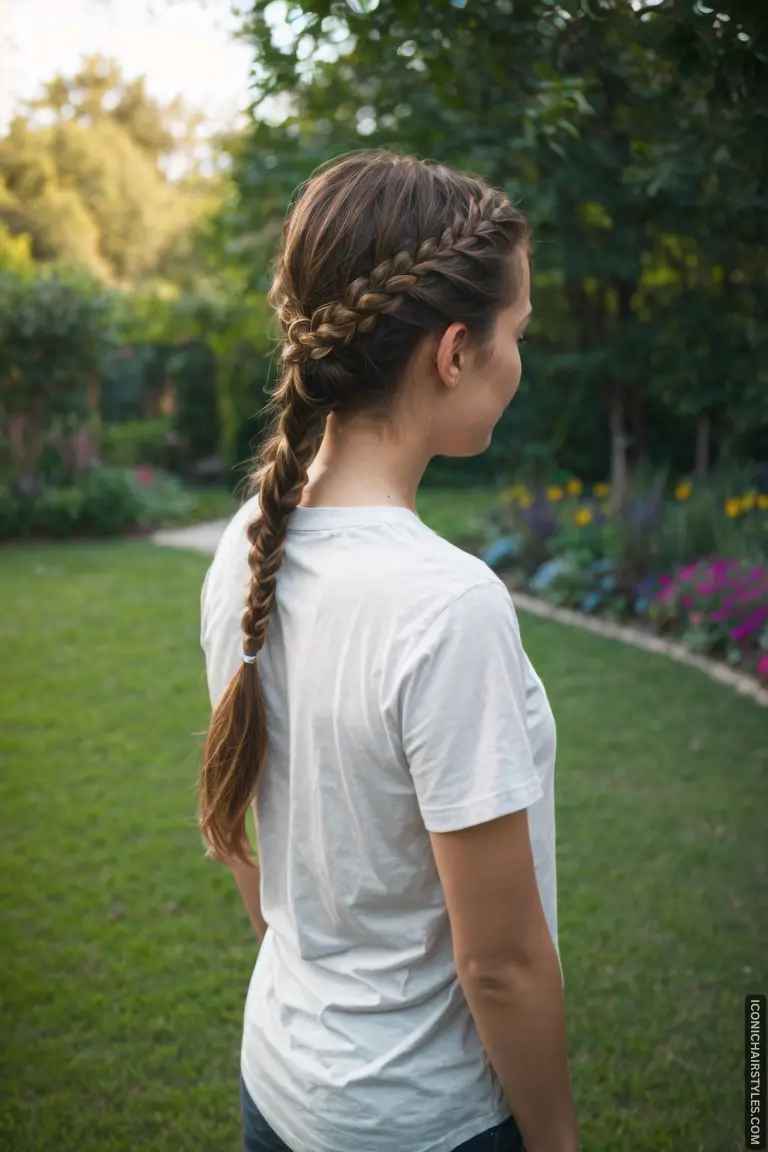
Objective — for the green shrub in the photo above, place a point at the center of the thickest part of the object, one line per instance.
(111, 501)
(13, 514)
(56, 511)
(103, 502)
(192, 368)
(161, 497)
(243, 381)
(134, 442)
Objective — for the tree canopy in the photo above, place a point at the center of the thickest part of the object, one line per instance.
(632, 133)
(85, 175)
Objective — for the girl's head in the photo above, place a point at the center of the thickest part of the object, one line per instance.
(402, 290)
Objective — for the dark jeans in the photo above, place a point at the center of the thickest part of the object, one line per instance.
(259, 1137)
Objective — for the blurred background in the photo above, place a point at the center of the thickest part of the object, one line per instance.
(148, 152)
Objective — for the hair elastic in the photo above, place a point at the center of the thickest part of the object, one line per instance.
(248, 659)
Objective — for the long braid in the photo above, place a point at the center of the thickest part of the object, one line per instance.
(233, 754)
(280, 480)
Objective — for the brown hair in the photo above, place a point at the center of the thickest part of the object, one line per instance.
(377, 251)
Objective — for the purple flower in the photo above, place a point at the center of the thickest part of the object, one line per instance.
(540, 520)
(750, 624)
(762, 667)
(723, 610)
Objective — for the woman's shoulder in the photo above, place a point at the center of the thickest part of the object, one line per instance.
(234, 543)
(456, 570)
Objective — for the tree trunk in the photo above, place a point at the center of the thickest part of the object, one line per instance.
(619, 443)
(32, 439)
(639, 437)
(626, 403)
(703, 440)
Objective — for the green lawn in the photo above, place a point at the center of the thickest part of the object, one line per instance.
(125, 955)
(452, 512)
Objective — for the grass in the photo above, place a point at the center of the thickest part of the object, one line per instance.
(452, 512)
(126, 956)
(210, 503)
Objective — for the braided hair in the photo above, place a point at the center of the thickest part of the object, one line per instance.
(378, 251)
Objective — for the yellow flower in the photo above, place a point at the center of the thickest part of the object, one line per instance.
(683, 490)
(762, 502)
(583, 517)
(749, 501)
(732, 508)
(574, 487)
(555, 492)
(513, 495)
(601, 490)
(526, 500)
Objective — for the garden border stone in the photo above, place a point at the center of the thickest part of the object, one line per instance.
(205, 538)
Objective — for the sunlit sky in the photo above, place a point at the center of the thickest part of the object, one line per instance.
(183, 47)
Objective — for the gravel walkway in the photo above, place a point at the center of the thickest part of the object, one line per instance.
(205, 537)
(195, 538)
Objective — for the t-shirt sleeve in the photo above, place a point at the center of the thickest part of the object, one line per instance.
(463, 714)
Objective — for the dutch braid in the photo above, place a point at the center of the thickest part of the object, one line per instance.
(382, 293)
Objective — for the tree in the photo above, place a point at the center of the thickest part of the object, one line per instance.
(631, 133)
(53, 335)
(84, 174)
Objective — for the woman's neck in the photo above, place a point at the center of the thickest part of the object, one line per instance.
(359, 466)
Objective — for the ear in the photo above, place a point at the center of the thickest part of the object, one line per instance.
(451, 354)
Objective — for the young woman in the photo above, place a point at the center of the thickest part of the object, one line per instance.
(374, 702)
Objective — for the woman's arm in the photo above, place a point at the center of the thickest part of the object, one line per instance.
(248, 879)
(509, 972)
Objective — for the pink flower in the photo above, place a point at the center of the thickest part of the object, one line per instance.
(762, 667)
(696, 617)
(687, 601)
(688, 571)
(705, 589)
(144, 474)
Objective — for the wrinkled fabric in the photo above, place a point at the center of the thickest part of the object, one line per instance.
(400, 702)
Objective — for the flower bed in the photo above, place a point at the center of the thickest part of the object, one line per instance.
(691, 564)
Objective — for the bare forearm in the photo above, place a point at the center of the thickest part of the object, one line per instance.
(248, 880)
(520, 1015)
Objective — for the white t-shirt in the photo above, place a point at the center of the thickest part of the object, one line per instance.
(399, 700)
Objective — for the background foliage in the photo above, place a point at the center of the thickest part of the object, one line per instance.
(630, 133)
